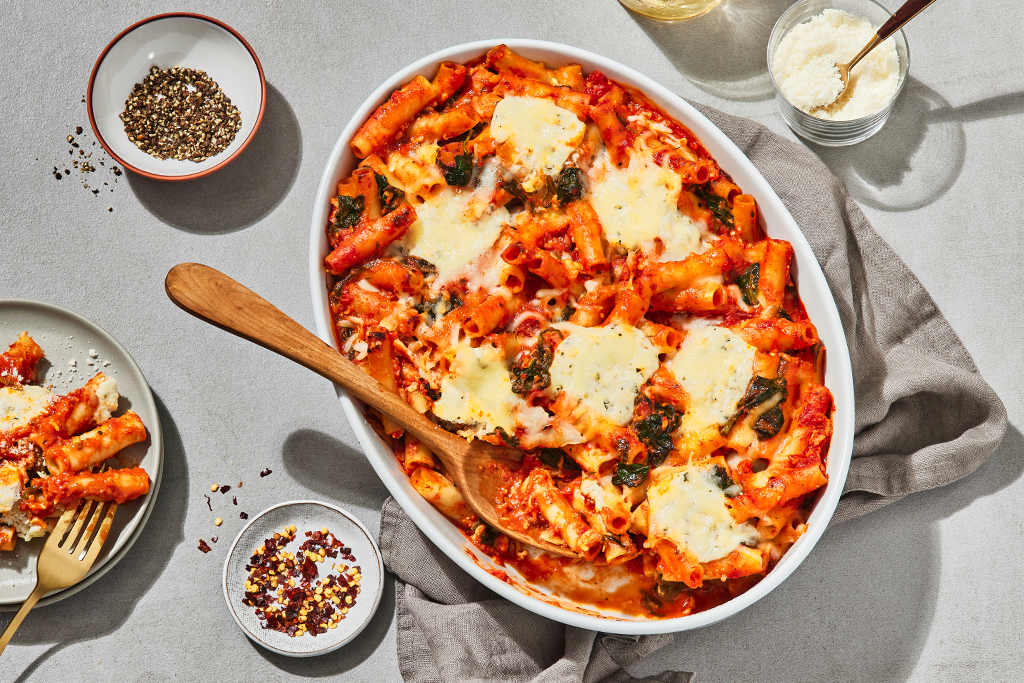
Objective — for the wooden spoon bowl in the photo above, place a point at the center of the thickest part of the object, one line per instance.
(214, 297)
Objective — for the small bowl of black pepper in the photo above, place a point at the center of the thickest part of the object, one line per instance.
(303, 578)
(176, 96)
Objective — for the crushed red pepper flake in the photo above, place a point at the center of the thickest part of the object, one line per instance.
(203, 546)
(243, 515)
(208, 504)
(266, 473)
(288, 593)
(225, 488)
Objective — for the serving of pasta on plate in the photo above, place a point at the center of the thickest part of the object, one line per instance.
(51, 445)
(542, 258)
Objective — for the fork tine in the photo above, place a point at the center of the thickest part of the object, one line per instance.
(61, 527)
(101, 536)
(70, 542)
(90, 527)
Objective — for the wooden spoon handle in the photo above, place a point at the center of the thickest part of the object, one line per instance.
(216, 298)
(909, 10)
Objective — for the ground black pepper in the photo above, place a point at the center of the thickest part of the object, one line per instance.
(181, 114)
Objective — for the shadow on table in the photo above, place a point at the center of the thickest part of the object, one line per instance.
(860, 606)
(333, 469)
(919, 153)
(103, 607)
(348, 656)
(723, 52)
(241, 193)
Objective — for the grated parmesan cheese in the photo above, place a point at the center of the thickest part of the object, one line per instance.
(805, 69)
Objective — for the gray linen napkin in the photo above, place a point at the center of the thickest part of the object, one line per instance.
(924, 418)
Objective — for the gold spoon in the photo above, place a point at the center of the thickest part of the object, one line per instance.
(909, 10)
(214, 297)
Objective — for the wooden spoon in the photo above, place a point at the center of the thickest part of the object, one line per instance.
(216, 298)
(909, 10)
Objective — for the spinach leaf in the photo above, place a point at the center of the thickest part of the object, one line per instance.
(718, 206)
(651, 602)
(569, 187)
(631, 475)
(566, 313)
(748, 281)
(487, 535)
(454, 301)
(783, 315)
(458, 173)
(533, 373)
(655, 430)
(721, 477)
(512, 186)
(428, 308)
(769, 424)
(613, 539)
(552, 457)
(422, 265)
(760, 390)
(505, 438)
(389, 196)
(350, 209)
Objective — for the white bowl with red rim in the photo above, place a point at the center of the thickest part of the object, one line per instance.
(779, 224)
(187, 40)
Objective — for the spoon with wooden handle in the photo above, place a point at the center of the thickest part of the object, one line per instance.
(214, 297)
(909, 10)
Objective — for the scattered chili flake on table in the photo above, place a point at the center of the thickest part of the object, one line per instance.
(225, 488)
(180, 113)
(208, 502)
(243, 515)
(202, 546)
(267, 472)
(289, 595)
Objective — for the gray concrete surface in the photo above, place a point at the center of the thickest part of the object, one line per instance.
(927, 590)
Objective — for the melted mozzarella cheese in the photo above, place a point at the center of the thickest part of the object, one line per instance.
(638, 203)
(18, 406)
(542, 134)
(603, 367)
(714, 365)
(688, 507)
(478, 391)
(454, 228)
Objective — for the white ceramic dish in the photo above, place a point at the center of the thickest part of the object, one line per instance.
(810, 281)
(181, 39)
(306, 515)
(67, 336)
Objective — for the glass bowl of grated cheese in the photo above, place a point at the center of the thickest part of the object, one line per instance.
(807, 41)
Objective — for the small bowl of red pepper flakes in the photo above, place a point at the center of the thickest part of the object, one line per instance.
(303, 578)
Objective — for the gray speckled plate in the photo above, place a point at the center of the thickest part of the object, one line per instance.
(305, 515)
(67, 337)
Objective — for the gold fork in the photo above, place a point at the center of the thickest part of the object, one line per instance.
(66, 557)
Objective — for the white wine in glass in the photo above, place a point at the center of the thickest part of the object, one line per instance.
(669, 10)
